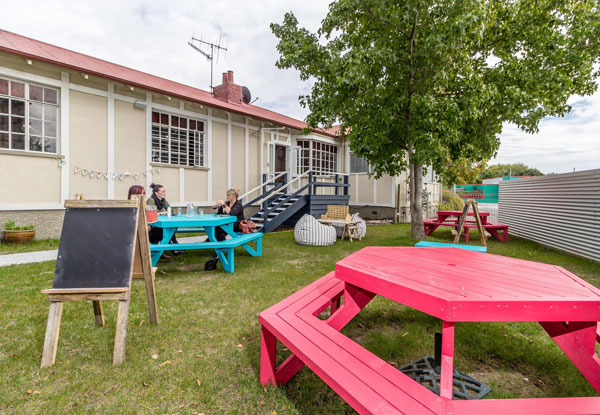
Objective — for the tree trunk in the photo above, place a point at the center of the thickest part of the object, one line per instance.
(416, 200)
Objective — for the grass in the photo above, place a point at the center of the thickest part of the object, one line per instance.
(37, 245)
(203, 357)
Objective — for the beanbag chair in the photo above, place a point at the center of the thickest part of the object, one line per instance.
(308, 231)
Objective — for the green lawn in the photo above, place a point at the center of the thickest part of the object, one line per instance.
(204, 355)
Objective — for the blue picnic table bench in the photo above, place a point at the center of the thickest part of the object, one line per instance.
(207, 223)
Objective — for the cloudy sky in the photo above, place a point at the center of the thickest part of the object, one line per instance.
(152, 36)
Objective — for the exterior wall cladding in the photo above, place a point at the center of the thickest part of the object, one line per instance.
(105, 125)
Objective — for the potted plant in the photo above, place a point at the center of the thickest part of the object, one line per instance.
(18, 234)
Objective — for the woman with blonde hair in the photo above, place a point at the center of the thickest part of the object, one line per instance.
(232, 207)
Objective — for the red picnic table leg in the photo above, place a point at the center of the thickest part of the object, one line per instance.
(268, 344)
(577, 340)
(447, 364)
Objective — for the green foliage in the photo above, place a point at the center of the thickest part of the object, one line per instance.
(462, 171)
(451, 201)
(9, 225)
(517, 169)
(436, 79)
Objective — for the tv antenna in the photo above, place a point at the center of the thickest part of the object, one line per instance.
(209, 53)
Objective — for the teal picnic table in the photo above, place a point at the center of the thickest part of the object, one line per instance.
(206, 223)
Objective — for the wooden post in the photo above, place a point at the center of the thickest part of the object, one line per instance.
(52, 331)
(121, 333)
(98, 313)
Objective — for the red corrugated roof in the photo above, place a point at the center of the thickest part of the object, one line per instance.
(34, 49)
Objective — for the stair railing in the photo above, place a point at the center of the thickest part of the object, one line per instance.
(308, 185)
(265, 193)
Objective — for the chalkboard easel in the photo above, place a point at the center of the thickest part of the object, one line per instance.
(461, 223)
(103, 244)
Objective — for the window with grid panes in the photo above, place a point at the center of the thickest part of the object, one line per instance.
(177, 140)
(324, 157)
(358, 164)
(28, 116)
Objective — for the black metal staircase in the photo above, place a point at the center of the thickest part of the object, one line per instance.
(280, 205)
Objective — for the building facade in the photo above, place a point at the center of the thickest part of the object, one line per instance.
(73, 124)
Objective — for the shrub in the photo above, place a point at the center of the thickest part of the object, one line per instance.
(450, 201)
(9, 225)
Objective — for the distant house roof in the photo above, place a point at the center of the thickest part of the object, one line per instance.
(34, 49)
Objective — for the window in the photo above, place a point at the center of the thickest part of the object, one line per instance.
(358, 164)
(324, 157)
(177, 140)
(28, 117)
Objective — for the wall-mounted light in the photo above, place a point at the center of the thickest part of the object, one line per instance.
(130, 87)
(85, 76)
(168, 98)
(140, 105)
(29, 62)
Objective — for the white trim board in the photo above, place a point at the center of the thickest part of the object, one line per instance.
(111, 141)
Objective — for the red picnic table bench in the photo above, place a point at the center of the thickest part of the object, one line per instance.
(451, 284)
(450, 218)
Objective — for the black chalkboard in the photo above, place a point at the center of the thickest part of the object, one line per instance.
(96, 248)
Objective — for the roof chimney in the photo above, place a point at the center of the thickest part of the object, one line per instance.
(228, 91)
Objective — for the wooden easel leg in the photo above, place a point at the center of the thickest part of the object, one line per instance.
(98, 313)
(121, 333)
(151, 297)
(52, 331)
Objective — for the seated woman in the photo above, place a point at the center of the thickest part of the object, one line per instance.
(232, 207)
(136, 190)
(158, 199)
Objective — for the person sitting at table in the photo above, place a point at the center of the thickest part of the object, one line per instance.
(232, 207)
(158, 199)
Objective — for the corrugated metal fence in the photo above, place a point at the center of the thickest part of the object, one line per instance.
(561, 211)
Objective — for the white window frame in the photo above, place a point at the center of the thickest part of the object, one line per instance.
(350, 155)
(199, 152)
(317, 159)
(27, 118)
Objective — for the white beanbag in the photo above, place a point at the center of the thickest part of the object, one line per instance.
(308, 231)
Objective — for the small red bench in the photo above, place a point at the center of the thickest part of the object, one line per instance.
(369, 384)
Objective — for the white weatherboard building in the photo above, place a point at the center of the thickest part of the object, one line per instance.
(73, 124)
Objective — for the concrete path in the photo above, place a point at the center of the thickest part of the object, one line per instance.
(42, 256)
(28, 257)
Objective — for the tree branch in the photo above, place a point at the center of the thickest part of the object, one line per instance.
(386, 21)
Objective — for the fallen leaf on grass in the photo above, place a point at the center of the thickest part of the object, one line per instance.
(33, 392)
(179, 351)
(154, 356)
(273, 412)
(111, 388)
(405, 334)
(360, 325)
(240, 346)
(166, 362)
(199, 382)
(145, 384)
(142, 322)
(392, 363)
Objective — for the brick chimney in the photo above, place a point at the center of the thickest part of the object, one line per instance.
(228, 91)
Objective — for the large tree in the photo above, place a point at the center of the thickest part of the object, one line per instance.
(420, 82)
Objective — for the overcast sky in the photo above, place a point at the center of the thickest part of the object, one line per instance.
(152, 36)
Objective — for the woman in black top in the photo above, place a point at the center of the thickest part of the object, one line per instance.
(232, 207)
(158, 199)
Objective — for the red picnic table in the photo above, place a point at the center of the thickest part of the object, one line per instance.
(450, 218)
(451, 284)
